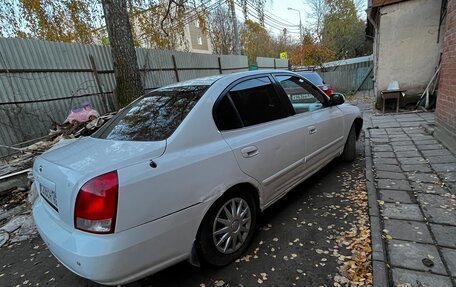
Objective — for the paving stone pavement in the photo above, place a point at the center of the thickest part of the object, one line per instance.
(412, 202)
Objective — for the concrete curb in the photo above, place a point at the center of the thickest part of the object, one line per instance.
(379, 268)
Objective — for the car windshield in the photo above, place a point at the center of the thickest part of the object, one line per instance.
(313, 77)
(153, 117)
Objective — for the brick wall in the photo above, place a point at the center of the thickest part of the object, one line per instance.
(446, 101)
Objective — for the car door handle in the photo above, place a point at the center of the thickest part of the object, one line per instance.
(312, 130)
(249, 151)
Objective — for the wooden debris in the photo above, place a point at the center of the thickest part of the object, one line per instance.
(24, 160)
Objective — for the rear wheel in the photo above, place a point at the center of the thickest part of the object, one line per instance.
(228, 228)
(349, 153)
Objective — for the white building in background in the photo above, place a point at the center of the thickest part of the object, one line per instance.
(195, 39)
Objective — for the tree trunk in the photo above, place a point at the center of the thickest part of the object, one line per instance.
(126, 71)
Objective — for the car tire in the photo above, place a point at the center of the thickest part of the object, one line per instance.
(349, 153)
(233, 234)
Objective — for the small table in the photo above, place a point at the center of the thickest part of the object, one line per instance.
(392, 94)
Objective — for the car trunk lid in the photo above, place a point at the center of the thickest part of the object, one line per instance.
(60, 172)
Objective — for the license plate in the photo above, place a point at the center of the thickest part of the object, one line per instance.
(303, 97)
(50, 196)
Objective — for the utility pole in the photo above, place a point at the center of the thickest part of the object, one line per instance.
(300, 30)
(237, 49)
(300, 23)
(285, 36)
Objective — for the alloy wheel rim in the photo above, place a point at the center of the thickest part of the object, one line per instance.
(231, 225)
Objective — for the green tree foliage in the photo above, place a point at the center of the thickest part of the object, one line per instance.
(311, 52)
(343, 30)
(256, 41)
(63, 20)
(155, 23)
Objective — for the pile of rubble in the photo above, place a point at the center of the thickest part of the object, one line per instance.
(15, 217)
(16, 222)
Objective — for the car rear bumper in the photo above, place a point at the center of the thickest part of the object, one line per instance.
(121, 257)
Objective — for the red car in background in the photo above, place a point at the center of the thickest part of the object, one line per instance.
(316, 79)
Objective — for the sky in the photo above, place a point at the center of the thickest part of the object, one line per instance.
(280, 9)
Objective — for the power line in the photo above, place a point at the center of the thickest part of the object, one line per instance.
(272, 23)
(195, 14)
(268, 23)
(279, 19)
(283, 22)
(273, 17)
(189, 15)
(271, 20)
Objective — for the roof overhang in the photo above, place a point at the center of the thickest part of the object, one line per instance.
(380, 3)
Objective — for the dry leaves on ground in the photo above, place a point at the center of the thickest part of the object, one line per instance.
(356, 269)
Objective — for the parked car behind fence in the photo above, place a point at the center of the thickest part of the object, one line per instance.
(316, 79)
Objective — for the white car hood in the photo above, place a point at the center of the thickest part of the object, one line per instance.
(90, 154)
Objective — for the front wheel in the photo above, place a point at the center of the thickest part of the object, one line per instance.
(228, 228)
(349, 153)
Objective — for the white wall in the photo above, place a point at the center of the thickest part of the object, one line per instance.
(407, 44)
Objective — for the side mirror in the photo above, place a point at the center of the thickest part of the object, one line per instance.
(336, 99)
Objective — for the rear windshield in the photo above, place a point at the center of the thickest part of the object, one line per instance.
(313, 77)
(153, 117)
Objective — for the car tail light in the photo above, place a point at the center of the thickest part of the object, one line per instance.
(329, 92)
(96, 204)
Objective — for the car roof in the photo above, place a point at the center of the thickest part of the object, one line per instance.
(306, 72)
(207, 81)
(256, 72)
(204, 81)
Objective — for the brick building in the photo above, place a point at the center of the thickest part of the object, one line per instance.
(445, 129)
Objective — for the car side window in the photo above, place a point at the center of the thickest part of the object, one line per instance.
(257, 102)
(303, 97)
(226, 116)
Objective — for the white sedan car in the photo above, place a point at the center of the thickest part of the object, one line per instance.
(184, 171)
